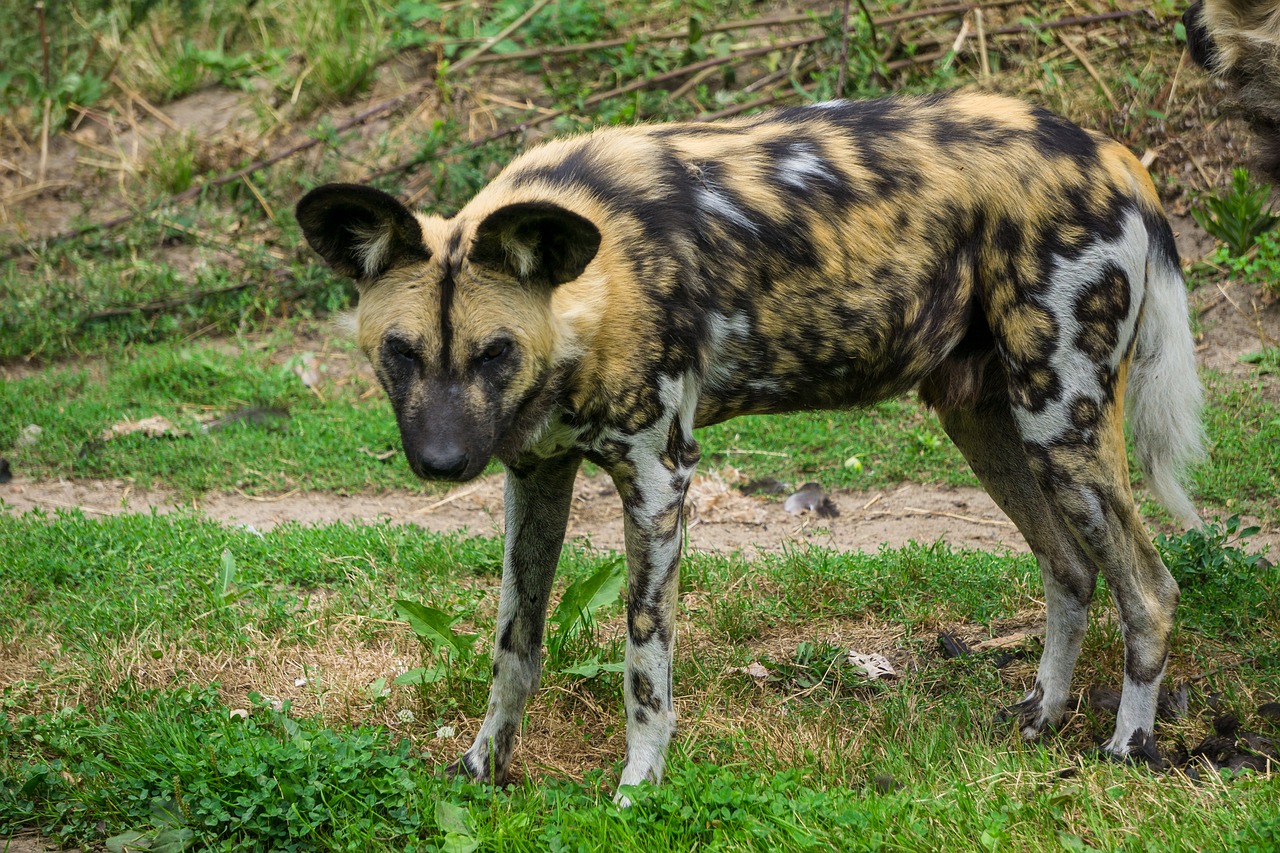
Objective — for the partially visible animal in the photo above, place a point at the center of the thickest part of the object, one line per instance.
(608, 294)
(1238, 41)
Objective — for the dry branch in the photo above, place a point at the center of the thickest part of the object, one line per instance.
(783, 20)
(473, 57)
(157, 305)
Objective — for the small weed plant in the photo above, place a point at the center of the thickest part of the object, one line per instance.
(1265, 361)
(1259, 267)
(574, 633)
(449, 657)
(451, 662)
(1239, 216)
(1224, 585)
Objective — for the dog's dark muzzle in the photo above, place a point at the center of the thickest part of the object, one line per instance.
(441, 442)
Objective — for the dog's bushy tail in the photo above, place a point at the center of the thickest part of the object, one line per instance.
(1164, 398)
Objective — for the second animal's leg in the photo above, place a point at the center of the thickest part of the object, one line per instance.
(536, 506)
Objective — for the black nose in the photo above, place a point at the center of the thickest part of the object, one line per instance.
(442, 464)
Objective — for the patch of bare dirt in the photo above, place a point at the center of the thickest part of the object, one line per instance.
(721, 518)
(27, 844)
(1194, 243)
(1236, 320)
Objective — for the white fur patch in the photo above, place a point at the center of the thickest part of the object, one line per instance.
(715, 202)
(1137, 713)
(803, 167)
(372, 246)
(1075, 369)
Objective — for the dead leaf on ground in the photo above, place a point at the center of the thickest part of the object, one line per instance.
(873, 665)
(754, 669)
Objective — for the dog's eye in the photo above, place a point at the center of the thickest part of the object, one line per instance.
(495, 351)
(402, 349)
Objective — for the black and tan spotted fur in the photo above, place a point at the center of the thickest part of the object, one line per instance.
(1238, 41)
(607, 294)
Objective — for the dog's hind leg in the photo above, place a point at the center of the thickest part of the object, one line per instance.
(1087, 483)
(536, 506)
(1069, 351)
(988, 437)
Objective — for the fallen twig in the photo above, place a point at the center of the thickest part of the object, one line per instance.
(969, 518)
(1088, 67)
(174, 302)
(473, 57)
(446, 500)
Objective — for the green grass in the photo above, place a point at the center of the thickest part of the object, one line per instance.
(894, 441)
(317, 446)
(1243, 472)
(274, 781)
(88, 753)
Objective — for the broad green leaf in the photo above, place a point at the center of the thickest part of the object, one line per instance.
(592, 667)
(174, 840)
(453, 818)
(128, 842)
(455, 843)
(227, 577)
(585, 597)
(434, 626)
(421, 675)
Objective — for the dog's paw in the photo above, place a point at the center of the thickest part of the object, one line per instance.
(1139, 750)
(1032, 715)
(469, 767)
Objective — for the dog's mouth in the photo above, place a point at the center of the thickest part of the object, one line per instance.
(460, 470)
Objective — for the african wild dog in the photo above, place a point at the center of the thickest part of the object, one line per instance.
(1238, 41)
(607, 294)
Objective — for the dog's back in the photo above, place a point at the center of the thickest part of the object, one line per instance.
(838, 254)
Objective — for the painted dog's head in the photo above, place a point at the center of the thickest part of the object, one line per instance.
(455, 316)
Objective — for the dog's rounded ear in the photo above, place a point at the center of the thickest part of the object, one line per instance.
(537, 242)
(359, 231)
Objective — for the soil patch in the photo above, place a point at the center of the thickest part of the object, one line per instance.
(721, 518)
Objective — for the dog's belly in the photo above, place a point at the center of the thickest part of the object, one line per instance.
(813, 362)
(842, 384)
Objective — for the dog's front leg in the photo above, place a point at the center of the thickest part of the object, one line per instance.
(653, 488)
(536, 506)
